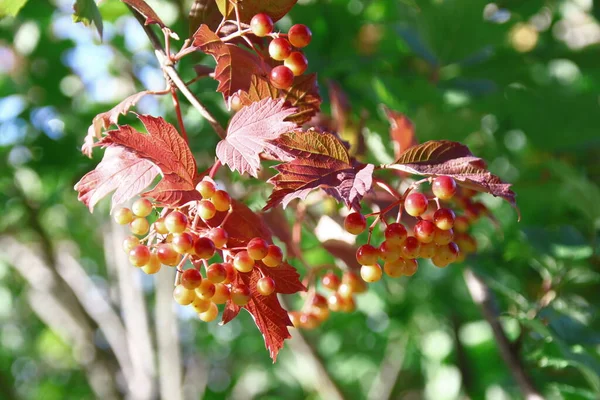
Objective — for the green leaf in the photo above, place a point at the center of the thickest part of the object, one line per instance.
(11, 7)
(86, 11)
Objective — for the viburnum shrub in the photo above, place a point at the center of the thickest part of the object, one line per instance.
(223, 252)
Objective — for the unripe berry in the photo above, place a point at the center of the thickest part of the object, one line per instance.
(395, 234)
(152, 266)
(424, 231)
(200, 305)
(216, 273)
(296, 62)
(243, 262)
(191, 278)
(142, 207)
(176, 222)
(222, 294)
(308, 321)
(415, 204)
(139, 226)
(280, 49)
(230, 272)
(206, 189)
(265, 286)
(330, 281)
(129, 243)
(167, 255)
(274, 256)
(356, 284)
(206, 290)
(123, 216)
(221, 200)
(182, 242)
(394, 269)
(367, 255)
(427, 250)
(219, 236)
(371, 273)
(257, 248)
(282, 77)
(206, 209)
(411, 247)
(160, 227)
(139, 255)
(389, 252)
(444, 218)
(443, 187)
(461, 224)
(261, 25)
(410, 267)
(443, 237)
(240, 295)
(295, 318)
(210, 314)
(183, 296)
(355, 223)
(299, 35)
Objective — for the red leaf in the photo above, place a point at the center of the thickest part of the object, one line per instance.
(321, 160)
(286, 277)
(340, 107)
(235, 66)
(249, 134)
(120, 170)
(304, 95)
(204, 12)
(230, 312)
(260, 88)
(456, 160)
(143, 8)
(276, 9)
(277, 222)
(106, 119)
(166, 149)
(402, 131)
(343, 251)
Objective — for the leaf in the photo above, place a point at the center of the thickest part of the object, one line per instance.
(321, 160)
(343, 251)
(86, 12)
(204, 12)
(340, 107)
(235, 66)
(105, 119)
(120, 170)
(277, 222)
(276, 9)
(249, 134)
(402, 131)
(269, 316)
(11, 7)
(304, 95)
(166, 149)
(260, 88)
(143, 8)
(456, 160)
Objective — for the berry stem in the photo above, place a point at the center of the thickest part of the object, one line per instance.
(236, 34)
(214, 169)
(179, 269)
(388, 188)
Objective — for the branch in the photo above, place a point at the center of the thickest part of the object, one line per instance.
(167, 66)
(482, 296)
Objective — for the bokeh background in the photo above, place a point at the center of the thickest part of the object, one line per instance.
(517, 81)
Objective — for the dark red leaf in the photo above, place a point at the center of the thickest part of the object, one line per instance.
(230, 312)
(286, 277)
(106, 119)
(204, 12)
(166, 149)
(250, 132)
(120, 170)
(143, 8)
(343, 251)
(321, 160)
(235, 66)
(456, 160)
(340, 107)
(402, 131)
(260, 88)
(276, 9)
(304, 95)
(277, 222)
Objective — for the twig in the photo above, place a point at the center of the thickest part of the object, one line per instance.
(167, 66)
(482, 296)
(179, 116)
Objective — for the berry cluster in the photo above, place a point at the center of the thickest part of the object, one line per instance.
(281, 48)
(183, 237)
(340, 298)
(432, 232)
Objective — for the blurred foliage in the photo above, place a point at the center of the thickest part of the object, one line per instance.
(517, 82)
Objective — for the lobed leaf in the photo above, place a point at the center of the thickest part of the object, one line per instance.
(235, 66)
(165, 148)
(249, 133)
(304, 95)
(276, 9)
(121, 171)
(320, 161)
(105, 119)
(444, 157)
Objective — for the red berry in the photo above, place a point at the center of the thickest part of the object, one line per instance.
(206, 290)
(274, 256)
(139, 255)
(204, 248)
(299, 35)
(230, 270)
(443, 187)
(395, 234)
(216, 273)
(297, 62)
(182, 242)
(280, 49)
(415, 204)
(261, 25)
(222, 294)
(282, 77)
(176, 222)
(219, 236)
(191, 278)
(445, 255)
(257, 248)
(443, 237)
(355, 223)
(394, 269)
(411, 247)
(167, 255)
(444, 218)
(389, 252)
(243, 262)
(330, 281)
(424, 231)
(265, 286)
(240, 295)
(367, 255)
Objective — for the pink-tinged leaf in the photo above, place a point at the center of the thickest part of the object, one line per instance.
(120, 170)
(444, 157)
(143, 8)
(250, 133)
(276, 9)
(304, 95)
(164, 147)
(320, 161)
(402, 131)
(235, 66)
(106, 119)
